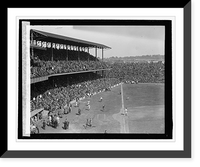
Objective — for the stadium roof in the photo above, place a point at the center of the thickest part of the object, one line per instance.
(74, 41)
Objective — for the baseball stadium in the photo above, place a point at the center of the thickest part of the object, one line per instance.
(73, 91)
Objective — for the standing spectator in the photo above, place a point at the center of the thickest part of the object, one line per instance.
(79, 112)
(58, 120)
(44, 124)
(70, 108)
(36, 119)
(66, 124)
(50, 120)
(66, 110)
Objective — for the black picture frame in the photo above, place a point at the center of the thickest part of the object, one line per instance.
(186, 153)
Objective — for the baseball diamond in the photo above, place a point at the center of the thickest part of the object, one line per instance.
(73, 91)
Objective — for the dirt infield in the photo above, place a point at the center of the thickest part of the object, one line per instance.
(145, 104)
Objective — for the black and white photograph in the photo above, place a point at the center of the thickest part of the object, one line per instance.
(103, 80)
(99, 82)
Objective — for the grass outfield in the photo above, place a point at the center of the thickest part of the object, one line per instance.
(145, 104)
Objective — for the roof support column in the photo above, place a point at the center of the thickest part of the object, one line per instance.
(52, 52)
(66, 53)
(102, 54)
(96, 53)
(88, 52)
(78, 53)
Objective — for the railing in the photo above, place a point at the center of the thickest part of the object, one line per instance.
(39, 79)
(43, 78)
(37, 47)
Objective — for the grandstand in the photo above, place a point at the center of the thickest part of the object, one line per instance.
(63, 71)
(52, 54)
(60, 62)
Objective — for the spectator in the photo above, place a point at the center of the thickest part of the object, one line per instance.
(50, 97)
(45, 68)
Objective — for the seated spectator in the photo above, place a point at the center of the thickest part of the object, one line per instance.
(58, 96)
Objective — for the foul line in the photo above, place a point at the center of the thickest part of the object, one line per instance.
(124, 124)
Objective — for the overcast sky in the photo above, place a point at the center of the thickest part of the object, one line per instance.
(124, 40)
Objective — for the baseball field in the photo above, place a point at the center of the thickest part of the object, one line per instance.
(144, 104)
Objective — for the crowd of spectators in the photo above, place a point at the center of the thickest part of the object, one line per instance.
(62, 92)
(46, 55)
(142, 72)
(42, 63)
(45, 68)
(52, 96)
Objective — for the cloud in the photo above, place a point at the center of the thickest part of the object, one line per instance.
(123, 40)
(149, 32)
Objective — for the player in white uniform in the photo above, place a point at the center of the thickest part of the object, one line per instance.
(100, 99)
(88, 103)
(126, 111)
